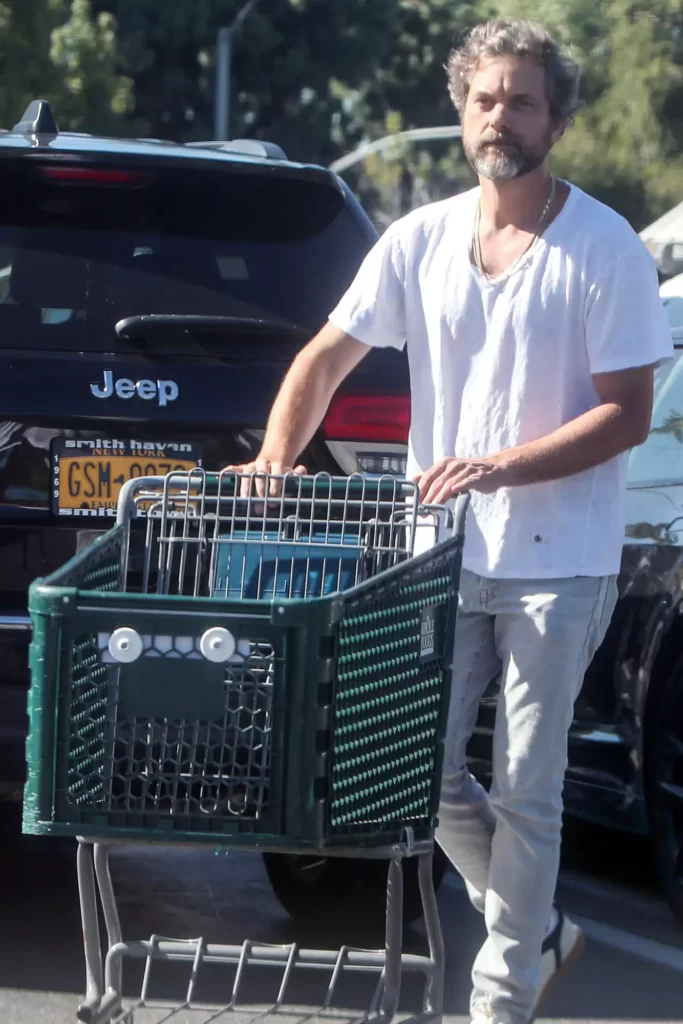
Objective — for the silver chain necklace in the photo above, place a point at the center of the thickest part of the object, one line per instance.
(476, 245)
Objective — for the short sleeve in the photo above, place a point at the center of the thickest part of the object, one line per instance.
(373, 308)
(626, 324)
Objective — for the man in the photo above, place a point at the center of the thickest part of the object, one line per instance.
(533, 324)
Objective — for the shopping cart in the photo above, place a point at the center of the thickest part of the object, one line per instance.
(269, 672)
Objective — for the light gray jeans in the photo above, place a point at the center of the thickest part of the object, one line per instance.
(542, 635)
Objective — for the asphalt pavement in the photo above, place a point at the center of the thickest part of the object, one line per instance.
(632, 969)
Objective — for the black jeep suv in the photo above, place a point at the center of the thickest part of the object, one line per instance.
(152, 296)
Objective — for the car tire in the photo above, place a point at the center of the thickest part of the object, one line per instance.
(313, 888)
(664, 767)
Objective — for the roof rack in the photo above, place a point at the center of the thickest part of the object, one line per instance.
(157, 142)
(246, 147)
(38, 119)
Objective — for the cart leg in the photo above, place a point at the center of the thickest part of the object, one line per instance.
(435, 985)
(111, 916)
(94, 973)
(393, 942)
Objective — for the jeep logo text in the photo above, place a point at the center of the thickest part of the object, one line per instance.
(164, 391)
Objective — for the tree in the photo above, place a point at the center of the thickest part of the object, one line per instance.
(409, 91)
(320, 76)
(94, 95)
(626, 147)
(287, 60)
(56, 50)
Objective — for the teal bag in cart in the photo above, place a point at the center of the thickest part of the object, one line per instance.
(271, 569)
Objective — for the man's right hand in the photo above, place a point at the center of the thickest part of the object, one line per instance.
(266, 466)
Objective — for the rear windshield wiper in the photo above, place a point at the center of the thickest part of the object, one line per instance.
(170, 327)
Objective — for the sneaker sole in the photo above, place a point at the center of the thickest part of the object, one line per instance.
(572, 956)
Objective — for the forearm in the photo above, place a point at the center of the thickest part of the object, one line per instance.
(306, 391)
(620, 422)
(592, 438)
(297, 412)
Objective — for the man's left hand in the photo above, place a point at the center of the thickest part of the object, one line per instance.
(451, 477)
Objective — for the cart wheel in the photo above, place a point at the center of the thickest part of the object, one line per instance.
(311, 888)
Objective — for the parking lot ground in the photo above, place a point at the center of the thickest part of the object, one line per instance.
(632, 969)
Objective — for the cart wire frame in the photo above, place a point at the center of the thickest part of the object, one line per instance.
(372, 522)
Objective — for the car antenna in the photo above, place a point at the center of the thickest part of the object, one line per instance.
(38, 119)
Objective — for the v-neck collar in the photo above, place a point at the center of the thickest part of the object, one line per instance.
(541, 242)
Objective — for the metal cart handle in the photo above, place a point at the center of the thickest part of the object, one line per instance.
(462, 503)
(134, 490)
(126, 508)
(301, 487)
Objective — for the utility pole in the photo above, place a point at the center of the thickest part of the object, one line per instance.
(224, 44)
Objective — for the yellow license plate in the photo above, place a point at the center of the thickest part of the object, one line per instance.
(87, 480)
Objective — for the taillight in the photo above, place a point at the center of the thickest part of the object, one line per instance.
(369, 433)
(368, 418)
(92, 176)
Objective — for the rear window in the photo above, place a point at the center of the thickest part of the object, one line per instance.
(75, 258)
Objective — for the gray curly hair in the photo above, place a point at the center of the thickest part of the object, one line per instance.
(509, 37)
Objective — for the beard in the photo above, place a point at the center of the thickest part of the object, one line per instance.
(504, 158)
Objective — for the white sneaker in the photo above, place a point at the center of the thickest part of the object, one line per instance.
(561, 949)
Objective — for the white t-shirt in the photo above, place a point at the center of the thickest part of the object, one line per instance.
(498, 364)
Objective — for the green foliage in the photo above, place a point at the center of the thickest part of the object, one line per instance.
(322, 76)
(288, 61)
(84, 54)
(626, 146)
(56, 50)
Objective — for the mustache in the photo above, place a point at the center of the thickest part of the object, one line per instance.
(500, 140)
